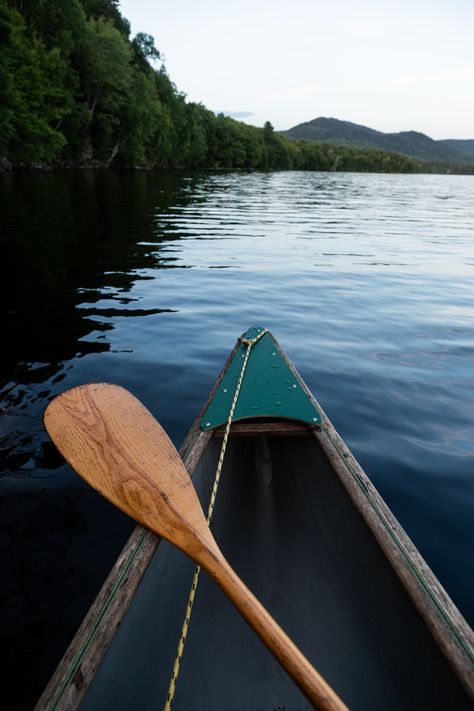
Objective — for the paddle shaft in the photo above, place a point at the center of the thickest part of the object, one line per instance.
(310, 682)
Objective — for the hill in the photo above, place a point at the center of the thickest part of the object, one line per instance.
(465, 147)
(409, 143)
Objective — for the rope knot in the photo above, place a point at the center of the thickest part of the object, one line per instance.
(250, 341)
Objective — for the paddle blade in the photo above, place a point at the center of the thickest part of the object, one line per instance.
(115, 444)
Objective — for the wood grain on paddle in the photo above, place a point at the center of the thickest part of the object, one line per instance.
(119, 448)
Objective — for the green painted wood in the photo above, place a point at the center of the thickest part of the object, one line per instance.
(269, 388)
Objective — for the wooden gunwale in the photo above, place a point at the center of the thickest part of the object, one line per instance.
(446, 624)
(79, 665)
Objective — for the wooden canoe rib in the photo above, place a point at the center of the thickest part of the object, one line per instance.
(330, 562)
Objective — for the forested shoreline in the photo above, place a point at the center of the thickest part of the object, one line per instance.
(77, 91)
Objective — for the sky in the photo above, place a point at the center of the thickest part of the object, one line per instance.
(391, 65)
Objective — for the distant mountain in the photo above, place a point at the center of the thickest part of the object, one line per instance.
(466, 147)
(409, 143)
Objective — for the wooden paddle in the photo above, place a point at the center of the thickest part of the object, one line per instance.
(118, 447)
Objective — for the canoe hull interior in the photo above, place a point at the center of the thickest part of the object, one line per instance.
(287, 526)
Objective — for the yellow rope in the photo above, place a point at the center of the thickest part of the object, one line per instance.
(248, 342)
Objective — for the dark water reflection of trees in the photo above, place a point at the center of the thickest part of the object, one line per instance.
(61, 235)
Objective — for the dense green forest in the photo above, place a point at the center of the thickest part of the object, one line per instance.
(77, 90)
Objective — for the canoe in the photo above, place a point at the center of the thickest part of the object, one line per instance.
(307, 531)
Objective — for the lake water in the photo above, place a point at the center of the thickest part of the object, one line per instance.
(147, 279)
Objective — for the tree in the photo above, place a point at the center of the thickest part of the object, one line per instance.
(106, 83)
(33, 97)
(109, 10)
(144, 49)
(268, 134)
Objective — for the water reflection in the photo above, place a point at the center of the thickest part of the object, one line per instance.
(70, 261)
(66, 237)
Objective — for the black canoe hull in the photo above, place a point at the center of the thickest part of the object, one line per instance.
(287, 525)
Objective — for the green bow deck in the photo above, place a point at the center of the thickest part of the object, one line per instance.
(269, 388)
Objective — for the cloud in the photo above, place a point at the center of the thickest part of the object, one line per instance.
(237, 114)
